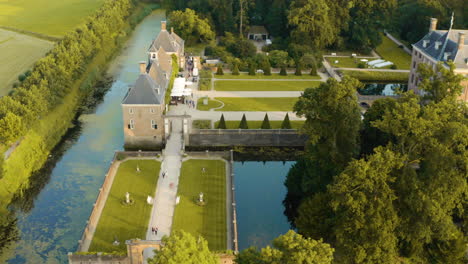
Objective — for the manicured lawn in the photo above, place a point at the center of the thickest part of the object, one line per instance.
(211, 104)
(245, 75)
(121, 221)
(257, 103)
(201, 124)
(379, 76)
(18, 53)
(390, 51)
(295, 124)
(208, 221)
(264, 85)
(345, 62)
(50, 17)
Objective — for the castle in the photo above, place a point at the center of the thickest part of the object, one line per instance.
(441, 46)
(144, 105)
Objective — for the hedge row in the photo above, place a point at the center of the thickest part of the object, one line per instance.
(371, 76)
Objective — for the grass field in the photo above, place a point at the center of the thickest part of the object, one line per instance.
(244, 75)
(18, 53)
(49, 17)
(211, 104)
(265, 85)
(126, 222)
(296, 124)
(375, 76)
(257, 103)
(390, 51)
(209, 220)
(345, 62)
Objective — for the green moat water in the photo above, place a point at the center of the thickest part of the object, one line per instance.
(52, 216)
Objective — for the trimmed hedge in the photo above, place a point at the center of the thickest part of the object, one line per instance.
(377, 76)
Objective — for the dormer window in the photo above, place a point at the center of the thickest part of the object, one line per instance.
(437, 44)
(132, 124)
(425, 43)
(446, 55)
(153, 56)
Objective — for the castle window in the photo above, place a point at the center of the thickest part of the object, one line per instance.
(154, 56)
(152, 110)
(153, 125)
(414, 64)
(412, 78)
(132, 124)
(130, 110)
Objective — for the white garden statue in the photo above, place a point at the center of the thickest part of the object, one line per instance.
(200, 199)
(127, 198)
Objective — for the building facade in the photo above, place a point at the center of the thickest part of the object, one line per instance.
(440, 46)
(144, 105)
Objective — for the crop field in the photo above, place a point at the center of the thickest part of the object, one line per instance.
(49, 17)
(18, 53)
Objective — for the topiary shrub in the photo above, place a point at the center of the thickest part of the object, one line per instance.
(220, 70)
(283, 71)
(393, 67)
(286, 123)
(222, 123)
(243, 123)
(266, 123)
(298, 71)
(252, 69)
(266, 68)
(361, 65)
(235, 70)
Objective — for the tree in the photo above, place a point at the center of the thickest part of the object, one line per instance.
(278, 58)
(266, 123)
(313, 70)
(243, 123)
(235, 69)
(222, 123)
(318, 30)
(363, 201)
(283, 71)
(266, 67)
(182, 247)
(11, 128)
(290, 248)
(190, 27)
(219, 71)
(439, 84)
(286, 123)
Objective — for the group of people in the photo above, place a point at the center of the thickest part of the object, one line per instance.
(154, 230)
(190, 103)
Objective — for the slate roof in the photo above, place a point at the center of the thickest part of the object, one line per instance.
(169, 42)
(258, 30)
(144, 91)
(459, 57)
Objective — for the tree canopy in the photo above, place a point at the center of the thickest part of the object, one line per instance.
(190, 27)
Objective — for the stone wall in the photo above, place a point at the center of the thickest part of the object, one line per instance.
(246, 137)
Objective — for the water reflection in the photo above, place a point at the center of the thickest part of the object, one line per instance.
(260, 192)
(52, 215)
(387, 89)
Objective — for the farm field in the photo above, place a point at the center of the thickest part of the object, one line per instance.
(208, 220)
(49, 17)
(115, 217)
(244, 75)
(257, 103)
(265, 85)
(18, 53)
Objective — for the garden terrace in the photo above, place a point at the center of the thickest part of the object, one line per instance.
(208, 220)
(265, 85)
(120, 221)
(234, 124)
(244, 75)
(390, 51)
(257, 103)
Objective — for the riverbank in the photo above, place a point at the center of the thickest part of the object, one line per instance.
(36, 145)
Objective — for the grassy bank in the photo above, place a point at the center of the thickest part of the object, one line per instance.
(257, 103)
(390, 51)
(377, 76)
(265, 85)
(115, 218)
(208, 220)
(46, 132)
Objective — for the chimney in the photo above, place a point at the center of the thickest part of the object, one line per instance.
(433, 24)
(163, 25)
(172, 30)
(461, 40)
(142, 67)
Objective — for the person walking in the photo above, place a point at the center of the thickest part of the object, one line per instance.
(152, 230)
(156, 231)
